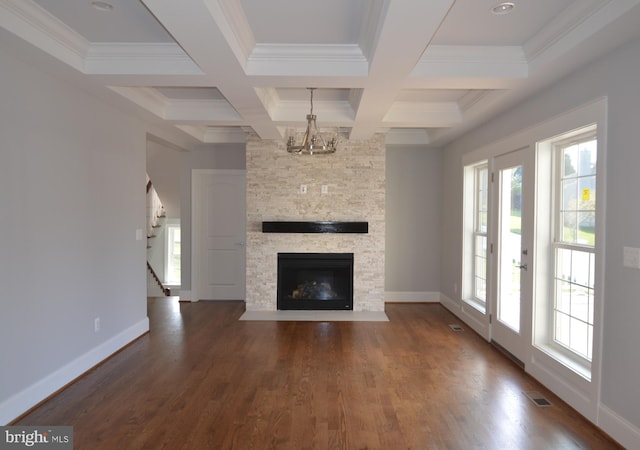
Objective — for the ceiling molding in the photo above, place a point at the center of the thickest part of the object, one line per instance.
(222, 135)
(234, 26)
(407, 137)
(576, 24)
(371, 26)
(145, 97)
(219, 111)
(472, 61)
(134, 58)
(561, 26)
(423, 114)
(336, 113)
(37, 26)
(269, 98)
(307, 60)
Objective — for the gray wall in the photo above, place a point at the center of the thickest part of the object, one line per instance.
(413, 219)
(72, 171)
(615, 76)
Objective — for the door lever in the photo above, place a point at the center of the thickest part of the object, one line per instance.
(523, 266)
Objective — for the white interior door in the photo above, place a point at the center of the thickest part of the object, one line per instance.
(511, 302)
(219, 233)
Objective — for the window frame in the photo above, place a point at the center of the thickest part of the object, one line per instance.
(472, 231)
(548, 166)
(558, 243)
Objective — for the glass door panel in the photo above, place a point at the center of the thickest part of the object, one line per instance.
(510, 211)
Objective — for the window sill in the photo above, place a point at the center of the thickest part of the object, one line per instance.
(579, 368)
(480, 307)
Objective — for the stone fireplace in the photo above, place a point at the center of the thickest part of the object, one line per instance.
(347, 186)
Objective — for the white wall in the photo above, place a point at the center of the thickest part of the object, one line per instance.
(614, 76)
(412, 256)
(72, 173)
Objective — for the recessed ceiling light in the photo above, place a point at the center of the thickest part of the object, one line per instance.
(503, 8)
(102, 6)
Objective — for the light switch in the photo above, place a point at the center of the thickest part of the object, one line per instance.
(303, 188)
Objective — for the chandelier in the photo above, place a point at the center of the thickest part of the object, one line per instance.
(312, 141)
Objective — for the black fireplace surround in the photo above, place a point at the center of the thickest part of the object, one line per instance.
(315, 281)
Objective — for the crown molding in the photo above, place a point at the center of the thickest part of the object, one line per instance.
(204, 110)
(225, 135)
(139, 58)
(471, 99)
(407, 136)
(34, 24)
(270, 99)
(461, 61)
(371, 26)
(307, 60)
(234, 26)
(427, 114)
(571, 27)
(145, 97)
(337, 112)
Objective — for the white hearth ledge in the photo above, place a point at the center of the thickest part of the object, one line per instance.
(317, 316)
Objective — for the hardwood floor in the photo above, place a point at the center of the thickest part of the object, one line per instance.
(202, 379)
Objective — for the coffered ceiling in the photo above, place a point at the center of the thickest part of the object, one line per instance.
(424, 72)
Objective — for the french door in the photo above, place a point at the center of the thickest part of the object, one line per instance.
(511, 302)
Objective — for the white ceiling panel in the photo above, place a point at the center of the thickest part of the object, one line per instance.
(424, 72)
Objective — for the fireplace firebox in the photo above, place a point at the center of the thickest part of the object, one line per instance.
(322, 281)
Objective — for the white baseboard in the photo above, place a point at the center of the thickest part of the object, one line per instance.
(411, 297)
(21, 402)
(625, 433)
(450, 304)
(185, 296)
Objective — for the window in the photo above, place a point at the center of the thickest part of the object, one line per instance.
(474, 289)
(574, 244)
(567, 294)
(173, 255)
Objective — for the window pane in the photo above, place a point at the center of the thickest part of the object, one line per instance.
(563, 264)
(580, 267)
(563, 328)
(587, 154)
(587, 193)
(569, 195)
(570, 161)
(563, 297)
(579, 337)
(569, 229)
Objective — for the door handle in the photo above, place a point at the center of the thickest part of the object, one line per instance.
(522, 266)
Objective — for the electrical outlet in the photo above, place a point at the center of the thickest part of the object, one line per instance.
(96, 324)
(324, 189)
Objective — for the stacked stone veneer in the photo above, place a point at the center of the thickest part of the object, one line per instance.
(355, 177)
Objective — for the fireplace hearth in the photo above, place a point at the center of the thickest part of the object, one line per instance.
(315, 281)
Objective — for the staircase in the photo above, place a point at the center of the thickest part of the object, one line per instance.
(155, 214)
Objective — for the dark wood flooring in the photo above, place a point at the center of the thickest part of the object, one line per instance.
(202, 379)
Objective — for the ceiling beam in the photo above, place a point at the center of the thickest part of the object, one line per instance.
(404, 35)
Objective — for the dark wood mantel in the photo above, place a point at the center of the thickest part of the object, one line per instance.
(315, 227)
